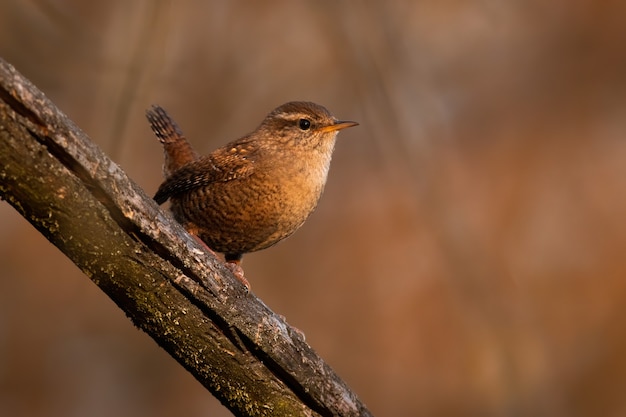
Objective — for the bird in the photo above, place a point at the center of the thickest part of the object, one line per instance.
(252, 192)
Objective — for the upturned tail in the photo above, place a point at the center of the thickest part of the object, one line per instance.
(178, 151)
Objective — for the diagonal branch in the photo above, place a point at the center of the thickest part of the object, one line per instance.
(168, 285)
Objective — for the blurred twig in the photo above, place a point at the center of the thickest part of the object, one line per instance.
(169, 286)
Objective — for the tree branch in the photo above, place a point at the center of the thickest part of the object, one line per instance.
(165, 281)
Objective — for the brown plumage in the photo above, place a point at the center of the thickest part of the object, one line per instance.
(255, 191)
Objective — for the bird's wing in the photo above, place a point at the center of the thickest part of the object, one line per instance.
(225, 164)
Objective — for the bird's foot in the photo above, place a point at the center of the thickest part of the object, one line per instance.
(297, 331)
(237, 270)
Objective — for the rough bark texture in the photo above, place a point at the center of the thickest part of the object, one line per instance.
(168, 285)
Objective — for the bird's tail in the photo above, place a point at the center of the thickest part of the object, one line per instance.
(178, 151)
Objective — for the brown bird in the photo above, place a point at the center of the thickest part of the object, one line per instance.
(255, 191)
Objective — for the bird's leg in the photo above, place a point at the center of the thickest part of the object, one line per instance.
(234, 265)
(200, 241)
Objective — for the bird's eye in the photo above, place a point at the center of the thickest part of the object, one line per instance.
(304, 124)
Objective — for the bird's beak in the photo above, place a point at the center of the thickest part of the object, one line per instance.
(338, 126)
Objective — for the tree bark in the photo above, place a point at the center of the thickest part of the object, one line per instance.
(165, 281)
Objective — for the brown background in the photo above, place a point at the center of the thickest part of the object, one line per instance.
(468, 256)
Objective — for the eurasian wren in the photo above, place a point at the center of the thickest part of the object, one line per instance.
(255, 191)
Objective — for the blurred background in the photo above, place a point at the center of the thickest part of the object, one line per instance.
(467, 257)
